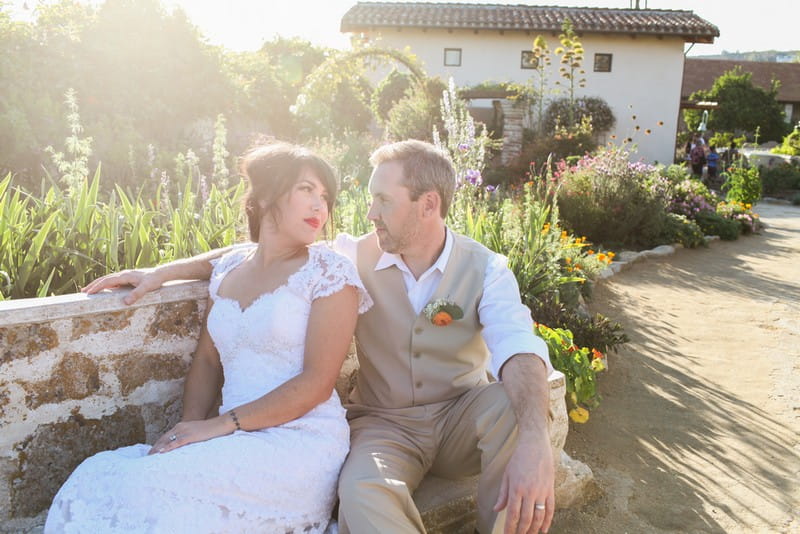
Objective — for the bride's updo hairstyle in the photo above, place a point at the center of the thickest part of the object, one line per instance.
(271, 170)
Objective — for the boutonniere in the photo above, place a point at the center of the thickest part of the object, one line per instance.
(442, 312)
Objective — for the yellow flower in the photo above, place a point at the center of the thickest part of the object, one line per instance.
(611, 255)
(579, 415)
(597, 365)
(748, 206)
(568, 260)
(601, 257)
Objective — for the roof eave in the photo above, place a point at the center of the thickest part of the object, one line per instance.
(355, 28)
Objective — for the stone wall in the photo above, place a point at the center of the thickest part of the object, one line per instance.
(81, 374)
(512, 131)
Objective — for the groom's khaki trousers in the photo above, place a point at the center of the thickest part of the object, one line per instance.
(392, 449)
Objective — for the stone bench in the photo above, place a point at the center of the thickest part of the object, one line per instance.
(84, 374)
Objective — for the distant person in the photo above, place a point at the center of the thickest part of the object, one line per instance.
(712, 159)
(697, 158)
(731, 155)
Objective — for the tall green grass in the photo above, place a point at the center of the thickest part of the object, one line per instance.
(58, 242)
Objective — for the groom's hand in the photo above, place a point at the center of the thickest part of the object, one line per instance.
(529, 479)
(143, 281)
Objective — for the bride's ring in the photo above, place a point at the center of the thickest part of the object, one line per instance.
(173, 437)
(539, 506)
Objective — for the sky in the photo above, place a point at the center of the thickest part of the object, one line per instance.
(745, 25)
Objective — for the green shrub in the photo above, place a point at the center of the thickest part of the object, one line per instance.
(714, 224)
(562, 144)
(607, 198)
(726, 139)
(780, 178)
(742, 184)
(691, 197)
(675, 173)
(680, 229)
(416, 114)
(389, 91)
(796, 199)
(594, 108)
(790, 145)
(579, 364)
(596, 331)
(741, 213)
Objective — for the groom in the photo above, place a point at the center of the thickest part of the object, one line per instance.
(447, 310)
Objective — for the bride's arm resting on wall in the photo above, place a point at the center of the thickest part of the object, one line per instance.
(331, 325)
(145, 280)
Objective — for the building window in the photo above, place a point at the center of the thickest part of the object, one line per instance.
(528, 60)
(452, 57)
(602, 62)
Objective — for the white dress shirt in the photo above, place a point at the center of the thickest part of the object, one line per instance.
(507, 324)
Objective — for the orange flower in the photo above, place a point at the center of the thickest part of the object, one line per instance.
(568, 260)
(590, 252)
(596, 354)
(442, 319)
(601, 257)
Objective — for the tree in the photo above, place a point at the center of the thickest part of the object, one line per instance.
(742, 106)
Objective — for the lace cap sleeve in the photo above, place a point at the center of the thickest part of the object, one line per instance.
(225, 264)
(335, 272)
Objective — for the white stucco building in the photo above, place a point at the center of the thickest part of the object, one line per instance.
(633, 58)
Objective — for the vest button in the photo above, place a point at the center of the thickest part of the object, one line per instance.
(417, 355)
(418, 384)
(418, 330)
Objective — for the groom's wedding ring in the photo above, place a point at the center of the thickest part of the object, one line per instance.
(539, 506)
(173, 437)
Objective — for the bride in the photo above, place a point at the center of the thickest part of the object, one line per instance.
(280, 318)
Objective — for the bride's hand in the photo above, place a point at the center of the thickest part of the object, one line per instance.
(187, 432)
(143, 281)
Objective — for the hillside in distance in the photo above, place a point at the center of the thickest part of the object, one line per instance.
(787, 56)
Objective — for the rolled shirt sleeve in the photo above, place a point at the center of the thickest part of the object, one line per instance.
(507, 323)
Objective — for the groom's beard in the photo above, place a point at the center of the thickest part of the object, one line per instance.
(400, 240)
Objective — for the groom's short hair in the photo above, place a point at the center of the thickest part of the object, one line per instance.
(425, 168)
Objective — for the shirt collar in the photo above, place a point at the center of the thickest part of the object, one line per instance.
(388, 259)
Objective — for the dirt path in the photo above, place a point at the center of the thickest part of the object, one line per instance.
(699, 426)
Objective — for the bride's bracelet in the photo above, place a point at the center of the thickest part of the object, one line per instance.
(232, 413)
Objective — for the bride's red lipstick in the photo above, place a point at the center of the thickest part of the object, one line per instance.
(313, 222)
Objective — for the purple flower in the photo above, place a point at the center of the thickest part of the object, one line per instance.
(473, 177)
(463, 147)
(491, 188)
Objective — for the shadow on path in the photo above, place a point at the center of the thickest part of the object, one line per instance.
(687, 438)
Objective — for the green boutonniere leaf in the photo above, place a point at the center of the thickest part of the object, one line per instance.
(454, 310)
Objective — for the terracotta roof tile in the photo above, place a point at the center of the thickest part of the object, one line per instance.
(372, 15)
(701, 73)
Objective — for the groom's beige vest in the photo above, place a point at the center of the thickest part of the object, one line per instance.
(404, 359)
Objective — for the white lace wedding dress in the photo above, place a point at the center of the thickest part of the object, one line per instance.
(275, 480)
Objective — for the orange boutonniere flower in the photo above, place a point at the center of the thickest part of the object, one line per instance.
(442, 312)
